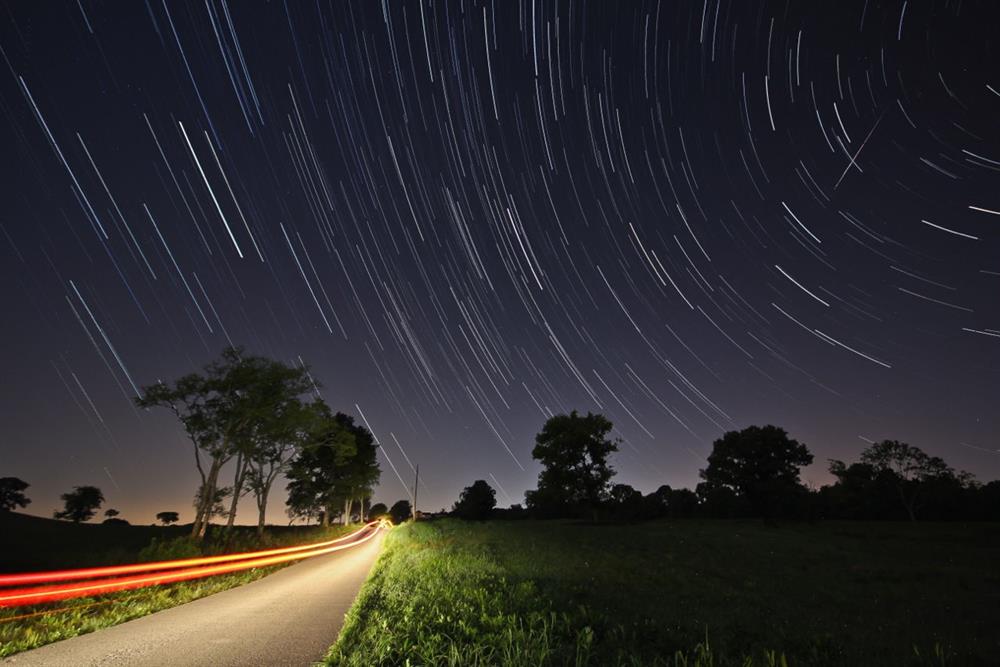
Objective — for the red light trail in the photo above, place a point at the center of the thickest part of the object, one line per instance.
(108, 579)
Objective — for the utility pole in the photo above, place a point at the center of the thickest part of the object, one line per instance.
(416, 481)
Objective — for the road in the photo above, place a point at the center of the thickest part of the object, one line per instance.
(288, 618)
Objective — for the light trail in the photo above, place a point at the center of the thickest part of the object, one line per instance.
(151, 574)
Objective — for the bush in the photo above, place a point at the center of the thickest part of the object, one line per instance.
(178, 547)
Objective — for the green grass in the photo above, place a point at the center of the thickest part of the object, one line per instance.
(23, 628)
(679, 593)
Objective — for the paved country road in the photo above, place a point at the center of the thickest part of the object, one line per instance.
(288, 618)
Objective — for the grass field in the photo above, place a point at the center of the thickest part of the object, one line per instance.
(31, 543)
(561, 593)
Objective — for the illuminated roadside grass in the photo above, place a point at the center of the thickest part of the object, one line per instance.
(677, 593)
(24, 628)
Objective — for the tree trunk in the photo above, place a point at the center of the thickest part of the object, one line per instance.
(241, 473)
(262, 507)
(208, 494)
(347, 510)
(326, 517)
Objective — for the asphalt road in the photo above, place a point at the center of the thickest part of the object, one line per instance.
(288, 618)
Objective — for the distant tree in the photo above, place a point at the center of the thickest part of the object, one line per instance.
(476, 501)
(12, 493)
(80, 504)
(111, 513)
(377, 510)
(760, 464)
(626, 502)
(400, 511)
(115, 521)
(167, 518)
(893, 474)
(574, 450)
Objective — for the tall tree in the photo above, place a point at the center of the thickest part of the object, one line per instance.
(80, 504)
(12, 493)
(286, 432)
(220, 408)
(316, 475)
(574, 450)
(360, 472)
(759, 463)
(269, 398)
(476, 501)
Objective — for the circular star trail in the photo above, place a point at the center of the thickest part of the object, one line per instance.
(469, 216)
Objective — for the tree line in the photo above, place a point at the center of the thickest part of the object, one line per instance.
(754, 472)
(255, 419)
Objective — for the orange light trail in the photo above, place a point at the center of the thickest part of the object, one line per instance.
(190, 568)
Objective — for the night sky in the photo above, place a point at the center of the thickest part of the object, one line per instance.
(468, 216)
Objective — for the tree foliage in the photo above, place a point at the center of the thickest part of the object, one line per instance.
(80, 504)
(476, 501)
(167, 518)
(759, 465)
(12, 493)
(574, 451)
(400, 511)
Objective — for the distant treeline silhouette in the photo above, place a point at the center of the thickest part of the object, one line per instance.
(750, 473)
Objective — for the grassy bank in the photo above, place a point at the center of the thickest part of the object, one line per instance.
(24, 628)
(553, 593)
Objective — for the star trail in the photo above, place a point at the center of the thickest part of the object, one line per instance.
(466, 217)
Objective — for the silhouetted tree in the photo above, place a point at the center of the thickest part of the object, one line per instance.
(476, 501)
(400, 511)
(574, 450)
(80, 504)
(668, 502)
(167, 518)
(276, 440)
(897, 480)
(111, 513)
(319, 474)
(626, 502)
(12, 493)
(758, 464)
(377, 510)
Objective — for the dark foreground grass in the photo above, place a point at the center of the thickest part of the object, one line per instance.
(679, 593)
(23, 628)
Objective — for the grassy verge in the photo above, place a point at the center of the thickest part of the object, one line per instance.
(678, 593)
(24, 628)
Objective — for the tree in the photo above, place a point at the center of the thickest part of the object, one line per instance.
(910, 471)
(400, 511)
(111, 513)
(476, 501)
(277, 440)
(167, 518)
(80, 504)
(625, 501)
(269, 397)
(574, 450)
(317, 473)
(12, 493)
(761, 465)
(377, 510)
(337, 467)
(221, 408)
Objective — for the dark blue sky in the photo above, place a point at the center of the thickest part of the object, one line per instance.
(468, 216)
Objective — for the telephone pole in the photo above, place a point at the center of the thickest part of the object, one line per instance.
(416, 481)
